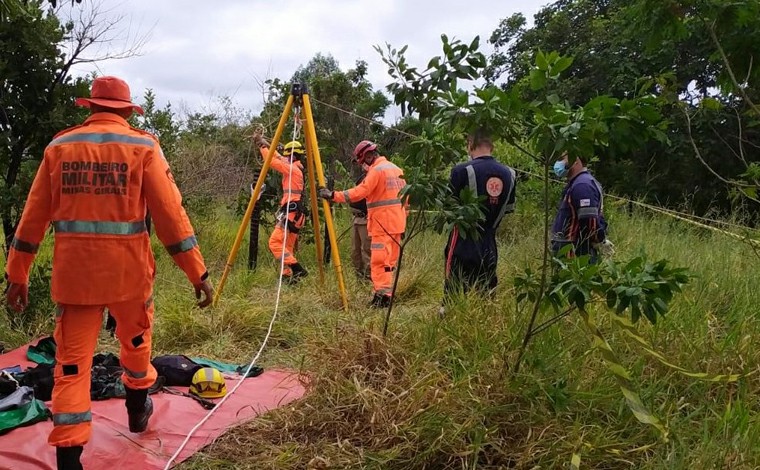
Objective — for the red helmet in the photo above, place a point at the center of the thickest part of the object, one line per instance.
(364, 147)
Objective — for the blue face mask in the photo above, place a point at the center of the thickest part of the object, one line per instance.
(560, 169)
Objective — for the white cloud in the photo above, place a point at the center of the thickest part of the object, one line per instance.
(198, 50)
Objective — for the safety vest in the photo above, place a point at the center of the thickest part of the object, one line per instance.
(380, 188)
(93, 186)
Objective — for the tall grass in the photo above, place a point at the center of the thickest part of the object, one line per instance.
(437, 393)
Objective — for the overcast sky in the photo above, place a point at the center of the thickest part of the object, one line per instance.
(198, 50)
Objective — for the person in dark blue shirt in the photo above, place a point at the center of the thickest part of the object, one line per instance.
(580, 219)
(471, 262)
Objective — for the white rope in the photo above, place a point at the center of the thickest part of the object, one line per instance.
(296, 128)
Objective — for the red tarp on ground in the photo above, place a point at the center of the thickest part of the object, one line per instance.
(112, 445)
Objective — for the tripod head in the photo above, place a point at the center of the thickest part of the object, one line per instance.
(298, 90)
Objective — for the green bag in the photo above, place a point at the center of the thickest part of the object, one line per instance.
(29, 413)
(43, 352)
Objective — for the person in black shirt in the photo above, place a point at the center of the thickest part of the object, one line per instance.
(471, 263)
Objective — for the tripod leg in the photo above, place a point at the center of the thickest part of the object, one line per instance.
(327, 249)
(311, 134)
(314, 208)
(254, 198)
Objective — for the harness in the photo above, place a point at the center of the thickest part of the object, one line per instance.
(298, 211)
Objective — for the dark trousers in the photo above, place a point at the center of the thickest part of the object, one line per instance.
(463, 276)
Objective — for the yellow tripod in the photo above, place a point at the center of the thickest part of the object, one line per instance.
(299, 97)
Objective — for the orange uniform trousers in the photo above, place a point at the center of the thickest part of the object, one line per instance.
(384, 252)
(76, 335)
(296, 221)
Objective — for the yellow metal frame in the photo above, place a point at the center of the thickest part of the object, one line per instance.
(299, 97)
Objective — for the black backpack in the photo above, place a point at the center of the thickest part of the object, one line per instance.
(40, 379)
(176, 369)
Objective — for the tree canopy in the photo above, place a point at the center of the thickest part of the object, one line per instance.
(671, 49)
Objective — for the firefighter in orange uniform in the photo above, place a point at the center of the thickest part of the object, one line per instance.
(94, 185)
(386, 215)
(291, 204)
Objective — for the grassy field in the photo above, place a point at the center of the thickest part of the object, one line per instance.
(438, 394)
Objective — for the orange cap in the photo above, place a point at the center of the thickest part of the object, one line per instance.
(109, 92)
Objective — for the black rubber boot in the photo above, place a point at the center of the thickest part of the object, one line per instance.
(139, 408)
(67, 458)
(380, 301)
(298, 271)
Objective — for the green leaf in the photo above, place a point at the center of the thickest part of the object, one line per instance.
(541, 62)
(561, 65)
(611, 298)
(710, 103)
(750, 192)
(661, 306)
(650, 314)
(624, 302)
(537, 80)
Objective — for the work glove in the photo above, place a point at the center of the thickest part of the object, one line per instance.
(208, 293)
(258, 136)
(17, 296)
(325, 193)
(606, 248)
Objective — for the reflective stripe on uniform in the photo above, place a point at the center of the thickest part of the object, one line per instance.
(386, 202)
(472, 180)
(24, 246)
(507, 207)
(277, 258)
(601, 194)
(377, 246)
(346, 196)
(135, 375)
(103, 138)
(385, 166)
(185, 245)
(586, 212)
(62, 419)
(99, 227)
(294, 191)
(384, 291)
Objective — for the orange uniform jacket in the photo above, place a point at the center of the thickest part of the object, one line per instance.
(292, 182)
(380, 188)
(93, 185)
